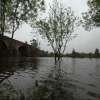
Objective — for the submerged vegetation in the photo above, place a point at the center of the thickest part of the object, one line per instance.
(10, 93)
(45, 89)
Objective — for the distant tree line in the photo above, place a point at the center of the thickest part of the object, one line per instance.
(96, 54)
(48, 54)
(74, 54)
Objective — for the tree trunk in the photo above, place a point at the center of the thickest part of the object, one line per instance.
(55, 56)
(58, 54)
(2, 28)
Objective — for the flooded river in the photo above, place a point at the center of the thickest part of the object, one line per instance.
(74, 78)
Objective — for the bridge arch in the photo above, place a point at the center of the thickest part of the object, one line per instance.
(4, 49)
(21, 50)
(5, 44)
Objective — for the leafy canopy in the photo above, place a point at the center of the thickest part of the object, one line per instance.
(92, 16)
(58, 27)
(16, 12)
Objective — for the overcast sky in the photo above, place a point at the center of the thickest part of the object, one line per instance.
(84, 42)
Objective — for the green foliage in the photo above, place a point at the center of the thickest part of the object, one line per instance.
(13, 13)
(73, 51)
(18, 11)
(8, 92)
(35, 46)
(11, 96)
(6, 95)
(96, 51)
(22, 97)
(48, 54)
(92, 16)
(58, 27)
(51, 54)
(96, 54)
(41, 93)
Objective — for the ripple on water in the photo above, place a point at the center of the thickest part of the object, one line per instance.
(79, 78)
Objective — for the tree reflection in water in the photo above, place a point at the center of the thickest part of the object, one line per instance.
(57, 83)
(66, 80)
(10, 68)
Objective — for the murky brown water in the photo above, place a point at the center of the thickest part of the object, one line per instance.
(79, 78)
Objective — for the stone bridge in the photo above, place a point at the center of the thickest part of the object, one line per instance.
(15, 43)
(18, 46)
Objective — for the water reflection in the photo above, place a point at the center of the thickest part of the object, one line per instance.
(97, 67)
(17, 73)
(73, 65)
(56, 82)
(70, 79)
(13, 65)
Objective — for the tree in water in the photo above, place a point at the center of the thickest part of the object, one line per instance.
(58, 27)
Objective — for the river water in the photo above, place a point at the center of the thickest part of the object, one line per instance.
(69, 79)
